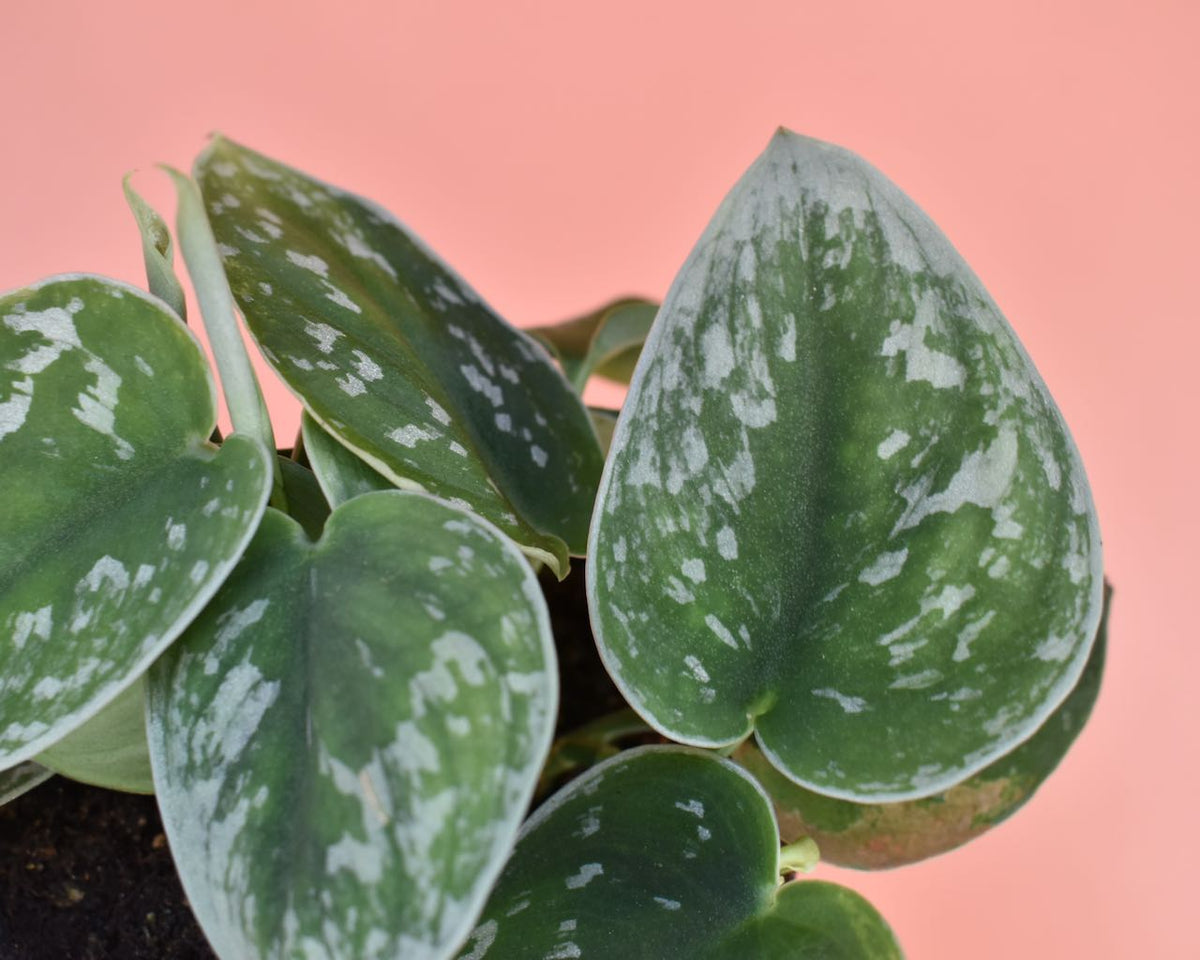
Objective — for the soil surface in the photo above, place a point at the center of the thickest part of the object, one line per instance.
(86, 873)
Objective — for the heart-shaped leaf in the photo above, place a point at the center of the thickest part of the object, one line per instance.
(21, 779)
(606, 343)
(394, 354)
(110, 750)
(841, 507)
(120, 520)
(345, 741)
(668, 853)
(878, 836)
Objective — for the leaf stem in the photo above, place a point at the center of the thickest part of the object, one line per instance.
(243, 397)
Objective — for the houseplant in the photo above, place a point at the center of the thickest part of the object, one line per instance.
(840, 512)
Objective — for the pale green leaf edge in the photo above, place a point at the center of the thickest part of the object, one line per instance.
(658, 331)
(561, 570)
(201, 598)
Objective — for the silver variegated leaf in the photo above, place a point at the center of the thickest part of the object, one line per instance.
(345, 742)
(398, 357)
(841, 509)
(120, 520)
(668, 853)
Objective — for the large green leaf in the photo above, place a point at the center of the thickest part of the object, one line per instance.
(345, 741)
(841, 508)
(876, 836)
(110, 750)
(607, 342)
(395, 355)
(667, 853)
(120, 520)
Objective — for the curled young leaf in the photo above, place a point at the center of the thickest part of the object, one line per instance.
(398, 357)
(157, 251)
(841, 509)
(22, 778)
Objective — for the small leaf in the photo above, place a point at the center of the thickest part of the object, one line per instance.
(397, 357)
(157, 251)
(879, 836)
(21, 779)
(665, 852)
(342, 475)
(345, 741)
(841, 509)
(606, 343)
(109, 750)
(120, 520)
(306, 503)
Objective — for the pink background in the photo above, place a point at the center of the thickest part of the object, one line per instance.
(558, 154)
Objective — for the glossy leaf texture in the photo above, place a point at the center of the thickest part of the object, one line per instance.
(398, 357)
(110, 750)
(841, 508)
(669, 853)
(345, 742)
(879, 836)
(606, 343)
(120, 520)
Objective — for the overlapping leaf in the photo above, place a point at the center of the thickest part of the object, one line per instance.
(841, 508)
(110, 750)
(344, 743)
(398, 357)
(120, 520)
(342, 475)
(606, 343)
(878, 836)
(668, 853)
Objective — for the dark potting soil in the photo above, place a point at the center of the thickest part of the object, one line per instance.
(86, 873)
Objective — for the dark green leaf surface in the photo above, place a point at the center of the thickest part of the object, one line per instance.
(606, 343)
(120, 520)
(341, 474)
(346, 740)
(879, 836)
(110, 750)
(841, 508)
(398, 357)
(306, 503)
(667, 853)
